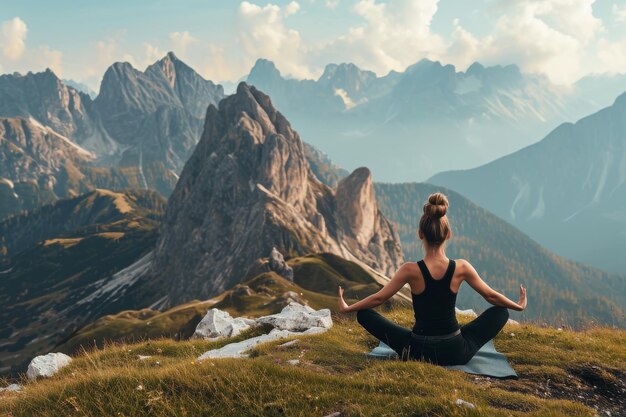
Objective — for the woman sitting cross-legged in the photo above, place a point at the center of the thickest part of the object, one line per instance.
(434, 281)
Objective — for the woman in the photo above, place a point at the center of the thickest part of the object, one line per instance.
(434, 281)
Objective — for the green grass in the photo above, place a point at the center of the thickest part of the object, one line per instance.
(333, 375)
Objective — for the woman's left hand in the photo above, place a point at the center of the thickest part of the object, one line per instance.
(343, 306)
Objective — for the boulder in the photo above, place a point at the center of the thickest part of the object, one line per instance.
(47, 365)
(298, 317)
(278, 265)
(239, 349)
(218, 324)
(11, 388)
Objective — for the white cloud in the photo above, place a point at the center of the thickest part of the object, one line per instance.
(292, 8)
(263, 34)
(391, 36)
(551, 37)
(619, 13)
(14, 38)
(181, 41)
(51, 58)
(151, 54)
(331, 4)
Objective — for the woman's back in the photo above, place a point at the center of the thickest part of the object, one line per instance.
(434, 307)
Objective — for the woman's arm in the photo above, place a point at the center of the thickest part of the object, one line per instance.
(489, 294)
(400, 278)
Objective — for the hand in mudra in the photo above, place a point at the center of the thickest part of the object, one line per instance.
(343, 306)
(522, 297)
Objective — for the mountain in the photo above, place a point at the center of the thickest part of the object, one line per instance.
(156, 115)
(63, 266)
(83, 88)
(568, 191)
(247, 188)
(137, 133)
(398, 124)
(39, 166)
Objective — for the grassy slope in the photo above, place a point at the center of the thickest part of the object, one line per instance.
(316, 278)
(558, 371)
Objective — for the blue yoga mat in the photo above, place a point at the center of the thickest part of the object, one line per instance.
(487, 361)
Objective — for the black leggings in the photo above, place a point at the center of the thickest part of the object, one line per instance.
(457, 350)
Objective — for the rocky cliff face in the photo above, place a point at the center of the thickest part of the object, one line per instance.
(157, 114)
(247, 188)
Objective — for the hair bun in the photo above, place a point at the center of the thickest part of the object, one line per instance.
(437, 205)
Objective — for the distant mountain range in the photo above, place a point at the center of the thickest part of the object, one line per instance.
(568, 191)
(407, 126)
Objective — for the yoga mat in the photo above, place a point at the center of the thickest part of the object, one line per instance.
(487, 361)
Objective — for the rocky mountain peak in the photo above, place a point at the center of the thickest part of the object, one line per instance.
(247, 189)
(356, 204)
(264, 72)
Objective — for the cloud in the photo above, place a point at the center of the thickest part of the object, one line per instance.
(51, 58)
(13, 38)
(391, 36)
(262, 33)
(331, 4)
(181, 41)
(619, 13)
(292, 8)
(551, 37)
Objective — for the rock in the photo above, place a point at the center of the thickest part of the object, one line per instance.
(293, 361)
(11, 388)
(289, 343)
(512, 322)
(298, 317)
(47, 365)
(143, 357)
(218, 324)
(335, 414)
(278, 265)
(468, 312)
(463, 403)
(294, 320)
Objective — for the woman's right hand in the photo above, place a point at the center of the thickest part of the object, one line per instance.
(522, 297)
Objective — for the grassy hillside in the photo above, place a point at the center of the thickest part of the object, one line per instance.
(562, 373)
(316, 277)
(560, 291)
(61, 255)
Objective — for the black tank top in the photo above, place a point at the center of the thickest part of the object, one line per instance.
(434, 307)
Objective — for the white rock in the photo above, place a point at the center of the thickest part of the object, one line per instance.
(298, 317)
(218, 324)
(289, 343)
(513, 322)
(238, 349)
(11, 388)
(293, 361)
(47, 365)
(143, 357)
(468, 312)
(463, 403)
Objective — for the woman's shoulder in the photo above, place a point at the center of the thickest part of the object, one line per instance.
(462, 266)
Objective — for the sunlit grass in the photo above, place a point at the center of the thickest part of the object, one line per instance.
(332, 375)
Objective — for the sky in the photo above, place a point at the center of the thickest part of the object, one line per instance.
(221, 39)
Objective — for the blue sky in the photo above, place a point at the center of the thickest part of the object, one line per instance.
(563, 39)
